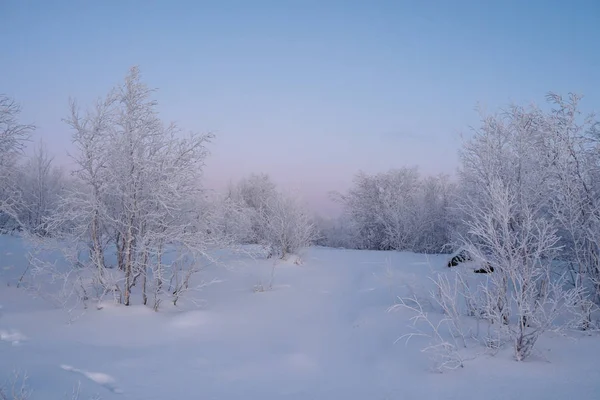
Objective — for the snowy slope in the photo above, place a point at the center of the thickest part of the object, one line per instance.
(322, 332)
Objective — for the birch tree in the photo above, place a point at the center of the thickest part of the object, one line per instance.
(138, 197)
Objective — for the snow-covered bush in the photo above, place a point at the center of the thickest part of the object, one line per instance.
(279, 222)
(398, 210)
(549, 162)
(520, 246)
(287, 226)
(445, 352)
(527, 212)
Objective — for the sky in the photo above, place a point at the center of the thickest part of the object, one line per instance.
(309, 92)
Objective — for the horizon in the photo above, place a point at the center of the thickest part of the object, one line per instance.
(307, 94)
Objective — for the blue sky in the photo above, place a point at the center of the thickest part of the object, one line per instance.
(307, 91)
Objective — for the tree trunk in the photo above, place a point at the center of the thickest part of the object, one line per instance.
(128, 262)
(144, 276)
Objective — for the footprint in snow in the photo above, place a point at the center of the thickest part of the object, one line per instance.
(100, 378)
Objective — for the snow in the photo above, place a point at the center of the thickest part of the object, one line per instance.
(322, 332)
(15, 337)
(97, 377)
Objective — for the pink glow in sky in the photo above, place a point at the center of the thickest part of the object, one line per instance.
(308, 92)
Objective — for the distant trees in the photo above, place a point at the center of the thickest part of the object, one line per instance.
(41, 184)
(278, 221)
(29, 186)
(254, 193)
(398, 210)
(335, 231)
(287, 226)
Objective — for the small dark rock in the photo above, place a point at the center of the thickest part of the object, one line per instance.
(460, 257)
(487, 268)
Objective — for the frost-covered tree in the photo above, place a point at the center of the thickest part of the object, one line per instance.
(138, 205)
(520, 253)
(528, 213)
(363, 206)
(549, 162)
(435, 225)
(40, 185)
(288, 228)
(13, 137)
(398, 196)
(231, 217)
(254, 193)
(507, 147)
(279, 222)
(398, 210)
(572, 144)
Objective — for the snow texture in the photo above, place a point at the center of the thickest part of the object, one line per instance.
(98, 377)
(322, 332)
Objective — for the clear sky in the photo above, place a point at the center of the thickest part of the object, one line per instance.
(307, 91)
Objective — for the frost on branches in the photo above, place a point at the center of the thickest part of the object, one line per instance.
(278, 221)
(133, 221)
(522, 297)
(527, 209)
(396, 210)
(13, 136)
(41, 184)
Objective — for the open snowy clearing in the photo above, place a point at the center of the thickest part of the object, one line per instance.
(322, 332)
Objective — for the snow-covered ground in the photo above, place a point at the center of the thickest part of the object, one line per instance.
(322, 332)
